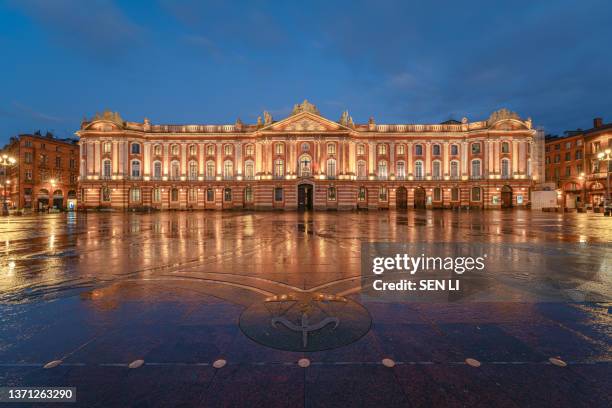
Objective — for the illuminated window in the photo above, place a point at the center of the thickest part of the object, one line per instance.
(192, 150)
(193, 170)
(331, 168)
(279, 148)
(382, 193)
(279, 168)
(210, 150)
(107, 147)
(362, 194)
(228, 169)
(418, 169)
(360, 149)
(249, 150)
(331, 148)
(156, 195)
(382, 169)
(401, 169)
(248, 194)
(157, 150)
(400, 149)
(382, 149)
(331, 193)
(249, 170)
(135, 168)
(210, 169)
(227, 194)
(228, 150)
(174, 150)
(135, 194)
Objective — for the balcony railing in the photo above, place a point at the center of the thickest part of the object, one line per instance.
(476, 177)
(132, 177)
(419, 177)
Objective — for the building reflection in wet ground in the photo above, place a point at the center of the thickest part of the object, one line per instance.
(100, 291)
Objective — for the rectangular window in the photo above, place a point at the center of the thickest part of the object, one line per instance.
(278, 194)
(475, 148)
(455, 194)
(400, 149)
(382, 194)
(568, 156)
(28, 157)
(193, 195)
(210, 195)
(568, 171)
(156, 195)
(331, 194)
(454, 150)
(362, 194)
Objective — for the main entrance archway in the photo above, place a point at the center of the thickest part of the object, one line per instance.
(419, 198)
(305, 195)
(401, 198)
(506, 196)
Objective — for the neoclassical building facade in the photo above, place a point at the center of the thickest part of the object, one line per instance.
(306, 161)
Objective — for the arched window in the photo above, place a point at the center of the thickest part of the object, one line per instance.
(505, 147)
(193, 170)
(331, 148)
(382, 169)
(175, 170)
(418, 170)
(476, 194)
(435, 150)
(331, 168)
(157, 170)
(279, 148)
(249, 170)
(454, 169)
(228, 169)
(476, 168)
(135, 168)
(135, 148)
(305, 166)
(174, 194)
(210, 169)
(382, 149)
(174, 150)
(361, 169)
(401, 170)
(228, 150)
(505, 168)
(435, 169)
(227, 194)
(279, 168)
(156, 195)
(248, 150)
(210, 150)
(418, 150)
(106, 169)
(360, 150)
(192, 150)
(157, 150)
(135, 195)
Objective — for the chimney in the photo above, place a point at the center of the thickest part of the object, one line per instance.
(597, 122)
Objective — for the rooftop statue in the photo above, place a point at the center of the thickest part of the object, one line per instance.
(501, 115)
(304, 107)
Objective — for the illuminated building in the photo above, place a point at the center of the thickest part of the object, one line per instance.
(308, 161)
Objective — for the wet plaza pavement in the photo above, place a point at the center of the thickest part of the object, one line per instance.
(98, 291)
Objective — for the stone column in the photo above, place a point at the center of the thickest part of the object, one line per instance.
(410, 165)
(391, 159)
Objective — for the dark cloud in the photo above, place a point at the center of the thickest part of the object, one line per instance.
(96, 27)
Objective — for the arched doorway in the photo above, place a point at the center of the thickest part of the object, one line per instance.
(305, 197)
(43, 199)
(58, 199)
(506, 196)
(401, 198)
(420, 198)
(72, 200)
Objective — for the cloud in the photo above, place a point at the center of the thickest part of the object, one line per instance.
(33, 114)
(96, 27)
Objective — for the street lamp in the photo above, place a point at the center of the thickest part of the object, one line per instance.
(6, 161)
(606, 157)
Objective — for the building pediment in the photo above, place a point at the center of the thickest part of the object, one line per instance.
(305, 122)
(103, 126)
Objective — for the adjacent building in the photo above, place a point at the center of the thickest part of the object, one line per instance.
(572, 164)
(308, 161)
(45, 174)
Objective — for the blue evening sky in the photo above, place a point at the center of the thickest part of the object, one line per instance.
(186, 61)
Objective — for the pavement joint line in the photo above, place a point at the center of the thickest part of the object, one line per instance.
(321, 363)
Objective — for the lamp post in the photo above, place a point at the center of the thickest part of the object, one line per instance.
(606, 157)
(583, 186)
(5, 162)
